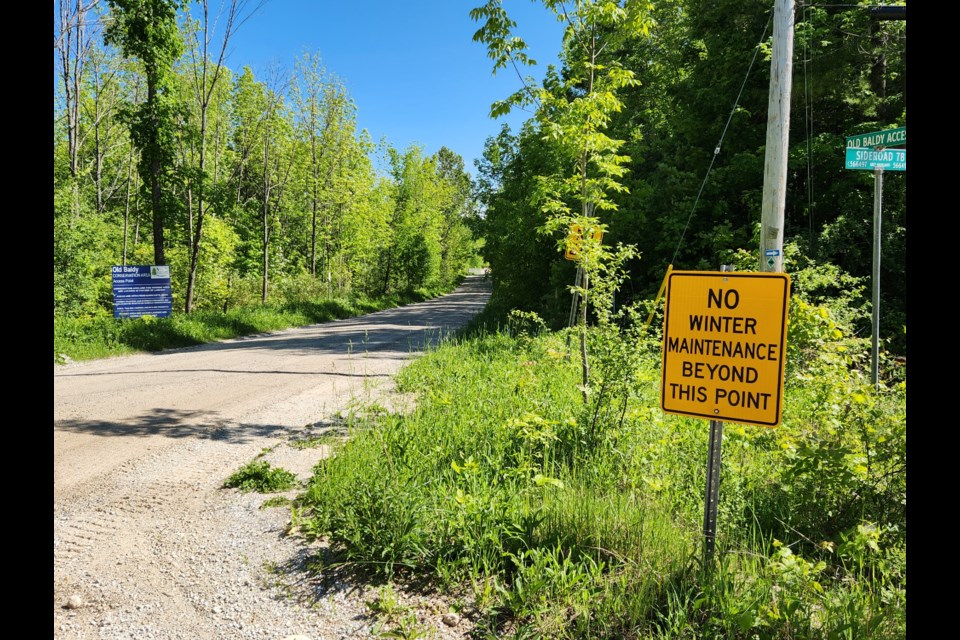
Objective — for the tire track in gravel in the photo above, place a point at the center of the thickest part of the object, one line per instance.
(140, 488)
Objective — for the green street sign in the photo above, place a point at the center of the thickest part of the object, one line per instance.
(870, 159)
(886, 138)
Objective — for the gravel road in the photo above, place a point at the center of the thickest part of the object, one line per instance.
(147, 543)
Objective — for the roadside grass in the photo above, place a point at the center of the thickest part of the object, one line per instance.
(276, 501)
(394, 620)
(91, 337)
(323, 440)
(584, 521)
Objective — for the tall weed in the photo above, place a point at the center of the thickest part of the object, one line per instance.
(583, 520)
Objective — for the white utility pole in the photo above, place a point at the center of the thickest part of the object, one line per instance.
(771, 222)
(778, 138)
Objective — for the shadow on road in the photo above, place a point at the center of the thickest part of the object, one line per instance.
(173, 423)
(406, 330)
(388, 336)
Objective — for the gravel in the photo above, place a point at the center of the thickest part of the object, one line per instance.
(149, 545)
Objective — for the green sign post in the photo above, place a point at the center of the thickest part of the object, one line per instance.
(871, 152)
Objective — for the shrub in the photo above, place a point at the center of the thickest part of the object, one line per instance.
(260, 477)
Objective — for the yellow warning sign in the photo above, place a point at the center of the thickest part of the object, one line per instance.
(724, 345)
(575, 240)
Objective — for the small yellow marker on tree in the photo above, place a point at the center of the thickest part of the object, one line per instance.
(575, 240)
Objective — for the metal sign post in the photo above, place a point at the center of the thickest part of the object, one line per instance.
(713, 492)
(875, 342)
(724, 346)
(869, 151)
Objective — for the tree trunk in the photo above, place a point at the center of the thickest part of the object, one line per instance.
(126, 208)
(198, 232)
(266, 211)
(136, 210)
(98, 156)
(314, 171)
(156, 209)
(204, 96)
(583, 337)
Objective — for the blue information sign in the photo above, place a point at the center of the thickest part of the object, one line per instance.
(141, 290)
(870, 159)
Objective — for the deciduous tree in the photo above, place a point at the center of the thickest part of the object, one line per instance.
(148, 30)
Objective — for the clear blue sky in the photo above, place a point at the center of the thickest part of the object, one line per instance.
(411, 67)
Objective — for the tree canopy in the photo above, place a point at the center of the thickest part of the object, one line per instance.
(685, 137)
(244, 185)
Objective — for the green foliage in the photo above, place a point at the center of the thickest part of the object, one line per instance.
(583, 521)
(259, 476)
(264, 192)
(386, 602)
(428, 244)
(780, 593)
(214, 274)
(82, 249)
(692, 121)
(276, 501)
(378, 521)
(82, 339)
(527, 273)
(573, 116)
(101, 335)
(147, 30)
(394, 620)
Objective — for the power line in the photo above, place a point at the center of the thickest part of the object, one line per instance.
(716, 150)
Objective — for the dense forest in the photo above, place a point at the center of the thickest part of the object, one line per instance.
(246, 187)
(653, 128)
(680, 95)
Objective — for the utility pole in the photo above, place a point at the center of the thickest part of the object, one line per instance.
(771, 220)
(771, 224)
(778, 138)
